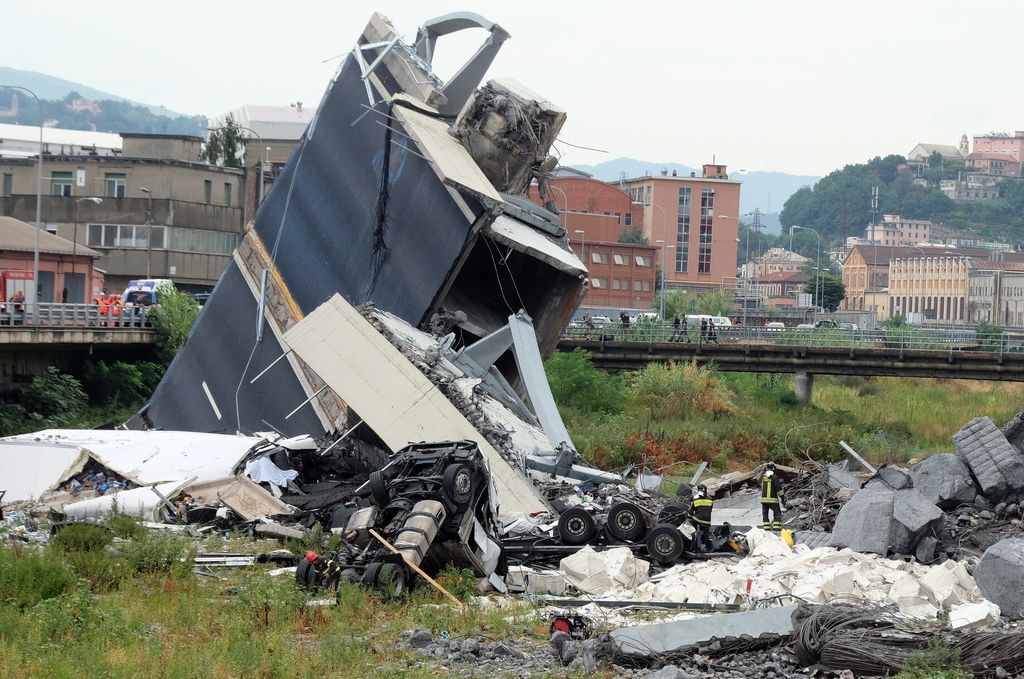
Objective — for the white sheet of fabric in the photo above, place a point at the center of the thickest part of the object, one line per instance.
(262, 470)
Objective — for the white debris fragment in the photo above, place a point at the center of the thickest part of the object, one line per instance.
(973, 616)
(598, 572)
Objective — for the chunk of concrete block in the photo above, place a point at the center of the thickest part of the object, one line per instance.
(863, 524)
(997, 465)
(1014, 431)
(945, 481)
(913, 518)
(894, 477)
(668, 636)
(973, 616)
(840, 477)
(926, 549)
(999, 578)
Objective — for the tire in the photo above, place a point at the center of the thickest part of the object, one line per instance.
(626, 522)
(379, 489)
(391, 580)
(576, 526)
(306, 575)
(673, 513)
(665, 544)
(457, 484)
(370, 574)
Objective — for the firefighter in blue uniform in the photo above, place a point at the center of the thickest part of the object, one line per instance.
(700, 517)
(771, 499)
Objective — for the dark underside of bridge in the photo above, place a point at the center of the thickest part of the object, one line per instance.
(736, 357)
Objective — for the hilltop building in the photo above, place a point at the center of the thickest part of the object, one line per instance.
(895, 230)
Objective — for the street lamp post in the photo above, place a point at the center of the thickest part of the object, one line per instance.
(39, 201)
(74, 246)
(817, 261)
(149, 229)
(583, 247)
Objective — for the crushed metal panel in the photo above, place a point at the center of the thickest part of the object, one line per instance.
(531, 371)
(249, 500)
(141, 502)
(394, 398)
(668, 636)
(523, 238)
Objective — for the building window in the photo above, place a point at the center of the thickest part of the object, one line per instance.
(599, 257)
(207, 191)
(683, 231)
(615, 284)
(114, 185)
(643, 260)
(629, 219)
(620, 259)
(227, 194)
(163, 238)
(60, 184)
(8, 183)
(597, 283)
(707, 208)
(647, 286)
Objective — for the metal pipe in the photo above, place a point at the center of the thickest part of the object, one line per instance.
(149, 229)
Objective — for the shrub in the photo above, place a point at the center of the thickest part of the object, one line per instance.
(461, 583)
(574, 380)
(82, 537)
(679, 391)
(28, 577)
(160, 553)
(124, 526)
(938, 662)
(173, 320)
(100, 569)
(55, 396)
(264, 597)
(72, 616)
(120, 383)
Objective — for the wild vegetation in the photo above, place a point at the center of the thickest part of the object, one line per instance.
(84, 606)
(681, 415)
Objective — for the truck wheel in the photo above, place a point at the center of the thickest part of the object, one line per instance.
(626, 522)
(665, 543)
(674, 514)
(457, 484)
(379, 488)
(576, 526)
(306, 575)
(391, 580)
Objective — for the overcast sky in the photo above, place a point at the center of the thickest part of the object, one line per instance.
(799, 87)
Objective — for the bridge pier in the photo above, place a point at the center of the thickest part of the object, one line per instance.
(803, 386)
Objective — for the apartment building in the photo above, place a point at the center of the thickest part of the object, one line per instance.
(150, 208)
(697, 220)
(995, 293)
(895, 230)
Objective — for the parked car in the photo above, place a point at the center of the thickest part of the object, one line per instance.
(852, 327)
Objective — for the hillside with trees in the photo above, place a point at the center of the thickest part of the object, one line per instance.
(839, 205)
(74, 112)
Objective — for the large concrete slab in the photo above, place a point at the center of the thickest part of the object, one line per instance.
(668, 636)
(391, 395)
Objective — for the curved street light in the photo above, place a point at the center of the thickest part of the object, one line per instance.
(39, 201)
(817, 262)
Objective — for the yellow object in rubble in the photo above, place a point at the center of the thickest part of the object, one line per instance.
(787, 535)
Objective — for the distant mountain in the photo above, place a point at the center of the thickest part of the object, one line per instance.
(51, 87)
(765, 190)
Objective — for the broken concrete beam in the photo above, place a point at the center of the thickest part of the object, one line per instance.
(998, 575)
(945, 481)
(913, 518)
(894, 477)
(997, 465)
(1014, 431)
(863, 523)
(277, 530)
(669, 636)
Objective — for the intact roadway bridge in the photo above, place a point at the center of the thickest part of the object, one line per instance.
(906, 352)
(34, 337)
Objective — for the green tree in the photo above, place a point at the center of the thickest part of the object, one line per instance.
(225, 145)
(576, 382)
(54, 396)
(172, 320)
(831, 288)
(681, 303)
(633, 235)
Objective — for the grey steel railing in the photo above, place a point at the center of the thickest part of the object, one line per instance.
(50, 315)
(902, 338)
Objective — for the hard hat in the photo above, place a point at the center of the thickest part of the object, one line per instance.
(702, 489)
(311, 556)
(770, 466)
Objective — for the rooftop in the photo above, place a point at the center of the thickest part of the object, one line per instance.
(16, 235)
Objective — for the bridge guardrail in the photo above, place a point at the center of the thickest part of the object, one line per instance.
(15, 315)
(902, 338)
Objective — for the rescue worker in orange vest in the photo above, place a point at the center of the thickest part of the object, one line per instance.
(104, 303)
(771, 499)
(700, 517)
(116, 306)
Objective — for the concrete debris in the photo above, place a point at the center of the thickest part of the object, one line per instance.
(999, 576)
(820, 575)
(997, 465)
(598, 572)
(894, 477)
(535, 581)
(669, 636)
(882, 521)
(944, 480)
(973, 616)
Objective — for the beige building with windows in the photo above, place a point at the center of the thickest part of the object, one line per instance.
(895, 230)
(996, 294)
(152, 210)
